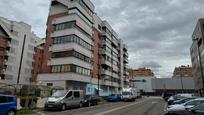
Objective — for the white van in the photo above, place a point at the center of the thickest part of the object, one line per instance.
(63, 99)
(129, 94)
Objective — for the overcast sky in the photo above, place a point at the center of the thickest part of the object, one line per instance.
(157, 32)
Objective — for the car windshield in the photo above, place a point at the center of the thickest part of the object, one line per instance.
(126, 93)
(59, 94)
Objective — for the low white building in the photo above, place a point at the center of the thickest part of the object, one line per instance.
(144, 84)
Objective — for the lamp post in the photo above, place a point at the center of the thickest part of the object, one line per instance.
(201, 66)
(181, 77)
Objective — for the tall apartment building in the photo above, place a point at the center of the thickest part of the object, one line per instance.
(16, 41)
(82, 51)
(141, 72)
(183, 71)
(196, 52)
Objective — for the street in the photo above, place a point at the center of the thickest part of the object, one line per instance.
(144, 106)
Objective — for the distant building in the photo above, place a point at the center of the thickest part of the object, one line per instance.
(141, 72)
(173, 85)
(144, 84)
(183, 71)
(38, 58)
(16, 41)
(196, 50)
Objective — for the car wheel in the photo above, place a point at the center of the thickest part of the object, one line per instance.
(96, 103)
(80, 104)
(63, 107)
(11, 112)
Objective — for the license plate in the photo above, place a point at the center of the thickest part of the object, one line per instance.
(50, 105)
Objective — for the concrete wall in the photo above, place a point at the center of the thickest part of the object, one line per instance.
(173, 83)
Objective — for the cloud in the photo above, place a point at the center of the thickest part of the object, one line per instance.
(156, 32)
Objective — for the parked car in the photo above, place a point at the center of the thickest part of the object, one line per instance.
(183, 100)
(114, 98)
(197, 110)
(91, 100)
(178, 97)
(179, 109)
(63, 99)
(8, 105)
(166, 96)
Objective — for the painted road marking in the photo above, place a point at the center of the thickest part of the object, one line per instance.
(118, 108)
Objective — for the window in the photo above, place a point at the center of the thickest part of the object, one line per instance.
(196, 102)
(69, 94)
(64, 26)
(10, 99)
(3, 99)
(49, 84)
(199, 108)
(72, 39)
(76, 94)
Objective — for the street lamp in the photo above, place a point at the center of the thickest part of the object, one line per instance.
(201, 66)
(181, 78)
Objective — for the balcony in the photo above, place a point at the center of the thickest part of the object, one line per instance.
(79, 22)
(106, 34)
(125, 60)
(70, 46)
(125, 47)
(115, 84)
(115, 68)
(115, 75)
(126, 73)
(103, 61)
(70, 32)
(106, 72)
(70, 60)
(106, 43)
(125, 54)
(104, 52)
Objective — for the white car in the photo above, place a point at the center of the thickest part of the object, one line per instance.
(187, 105)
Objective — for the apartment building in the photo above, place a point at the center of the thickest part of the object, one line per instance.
(183, 71)
(81, 50)
(197, 55)
(141, 72)
(38, 58)
(16, 43)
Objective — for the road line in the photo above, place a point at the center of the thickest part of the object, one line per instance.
(115, 109)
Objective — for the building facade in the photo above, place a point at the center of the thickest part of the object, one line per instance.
(140, 72)
(197, 55)
(16, 43)
(82, 51)
(144, 84)
(173, 85)
(38, 58)
(183, 71)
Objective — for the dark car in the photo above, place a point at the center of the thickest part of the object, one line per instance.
(114, 98)
(197, 110)
(8, 105)
(166, 96)
(91, 100)
(183, 100)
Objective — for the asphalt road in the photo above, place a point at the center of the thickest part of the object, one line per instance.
(145, 106)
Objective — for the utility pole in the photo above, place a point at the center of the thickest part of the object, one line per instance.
(20, 66)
